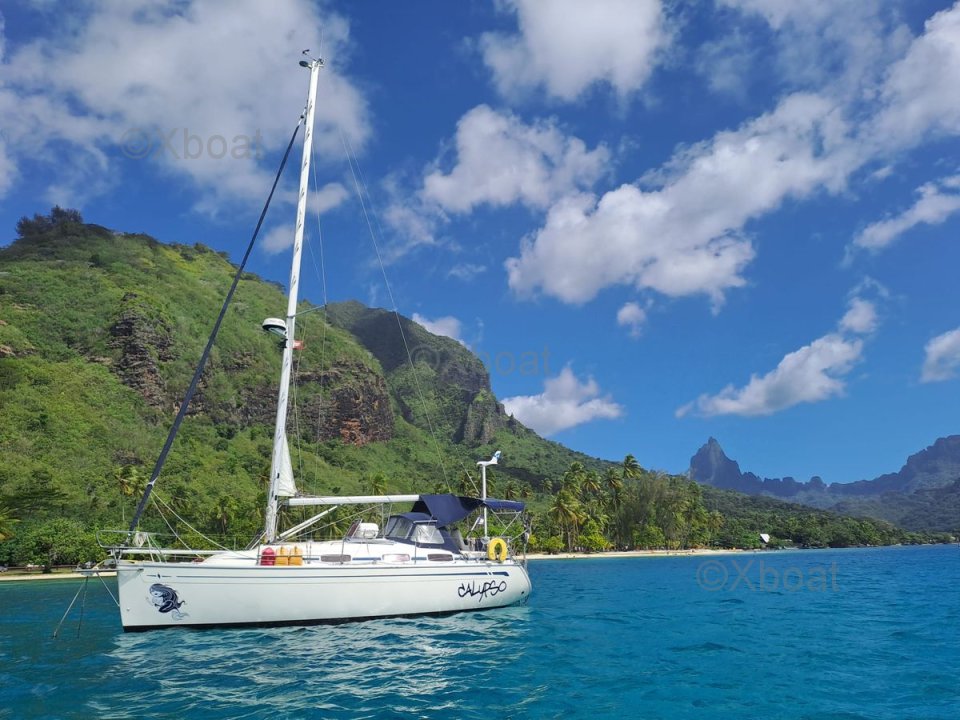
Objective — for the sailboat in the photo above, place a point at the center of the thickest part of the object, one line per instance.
(418, 563)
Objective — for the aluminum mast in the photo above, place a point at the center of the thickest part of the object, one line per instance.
(280, 433)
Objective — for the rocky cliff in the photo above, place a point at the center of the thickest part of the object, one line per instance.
(446, 386)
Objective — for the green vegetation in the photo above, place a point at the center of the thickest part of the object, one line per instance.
(99, 335)
(629, 507)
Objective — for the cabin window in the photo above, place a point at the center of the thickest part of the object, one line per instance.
(335, 558)
(398, 527)
(428, 533)
(440, 557)
(403, 528)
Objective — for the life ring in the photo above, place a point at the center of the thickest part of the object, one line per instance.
(497, 550)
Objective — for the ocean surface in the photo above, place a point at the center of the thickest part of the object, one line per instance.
(866, 633)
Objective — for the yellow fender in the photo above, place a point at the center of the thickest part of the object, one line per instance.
(497, 550)
(296, 556)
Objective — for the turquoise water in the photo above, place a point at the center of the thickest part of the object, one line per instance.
(871, 633)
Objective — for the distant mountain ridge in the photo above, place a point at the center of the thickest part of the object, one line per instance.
(923, 495)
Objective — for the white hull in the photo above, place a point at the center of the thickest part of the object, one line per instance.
(235, 591)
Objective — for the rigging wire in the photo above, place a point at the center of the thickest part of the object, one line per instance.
(376, 222)
(301, 328)
(173, 512)
(354, 171)
(322, 272)
(294, 389)
(185, 404)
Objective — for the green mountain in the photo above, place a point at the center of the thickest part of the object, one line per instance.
(100, 332)
(440, 387)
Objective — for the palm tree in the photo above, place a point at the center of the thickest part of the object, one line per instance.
(336, 526)
(614, 485)
(567, 513)
(465, 484)
(6, 523)
(631, 468)
(590, 486)
(491, 484)
(573, 477)
(714, 523)
(129, 480)
(376, 484)
(224, 511)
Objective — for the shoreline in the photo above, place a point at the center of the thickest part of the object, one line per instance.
(639, 554)
(69, 575)
(695, 552)
(706, 552)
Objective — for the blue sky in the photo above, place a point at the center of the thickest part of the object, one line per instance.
(657, 222)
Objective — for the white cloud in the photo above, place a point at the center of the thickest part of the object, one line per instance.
(414, 226)
(633, 316)
(942, 359)
(807, 375)
(8, 169)
(779, 12)
(327, 198)
(564, 403)
(447, 326)
(566, 46)
(860, 318)
(936, 203)
(686, 238)
(135, 79)
(882, 173)
(919, 93)
(466, 271)
(811, 374)
(823, 43)
(502, 161)
(682, 230)
(725, 62)
(278, 239)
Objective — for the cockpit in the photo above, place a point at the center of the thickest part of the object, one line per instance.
(417, 528)
(412, 527)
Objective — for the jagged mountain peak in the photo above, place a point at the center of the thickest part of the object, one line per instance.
(711, 466)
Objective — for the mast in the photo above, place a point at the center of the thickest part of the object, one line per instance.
(483, 486)
(280, 432)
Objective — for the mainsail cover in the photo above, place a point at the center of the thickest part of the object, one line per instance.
(286, 487)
